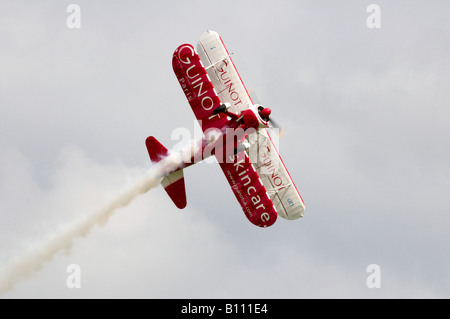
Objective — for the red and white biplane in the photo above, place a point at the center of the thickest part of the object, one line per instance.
(235, 132)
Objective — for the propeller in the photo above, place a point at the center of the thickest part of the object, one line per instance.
(276, 125)
(273, 123)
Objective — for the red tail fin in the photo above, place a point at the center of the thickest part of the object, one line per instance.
(172, 183)
(156, 150)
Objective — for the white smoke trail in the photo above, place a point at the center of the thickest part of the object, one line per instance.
(24, 266)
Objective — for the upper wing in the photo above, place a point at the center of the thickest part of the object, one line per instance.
(222, 72)
(274, 175)
(249, 190)
(197, 87)
(269, 165)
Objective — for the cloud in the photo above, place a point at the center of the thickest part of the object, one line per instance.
(148, 249)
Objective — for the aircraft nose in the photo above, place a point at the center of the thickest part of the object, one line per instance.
(265, 113)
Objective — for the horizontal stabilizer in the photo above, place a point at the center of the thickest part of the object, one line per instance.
(174, 186)
(172, 183)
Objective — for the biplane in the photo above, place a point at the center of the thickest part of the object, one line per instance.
(235, 131)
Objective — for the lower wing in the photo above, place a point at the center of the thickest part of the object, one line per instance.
(249, 190)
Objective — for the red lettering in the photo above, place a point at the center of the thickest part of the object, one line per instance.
(222, 74)
(280, 181)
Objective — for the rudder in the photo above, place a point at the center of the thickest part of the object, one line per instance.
(172, 183)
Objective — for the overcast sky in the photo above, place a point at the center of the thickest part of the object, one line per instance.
(366, 115)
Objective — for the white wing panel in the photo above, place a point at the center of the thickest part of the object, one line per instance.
(222, 72)
(262, 152)
(276, 179)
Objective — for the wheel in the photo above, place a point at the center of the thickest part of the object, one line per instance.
(221, 108)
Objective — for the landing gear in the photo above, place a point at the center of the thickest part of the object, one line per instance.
(222, 108)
